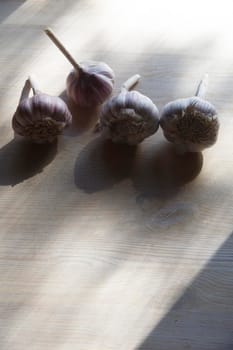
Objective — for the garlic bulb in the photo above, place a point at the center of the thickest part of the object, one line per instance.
(191, 123)
(90, 83)
(129, 117)
(40, 118)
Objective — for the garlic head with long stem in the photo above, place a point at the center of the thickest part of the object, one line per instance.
(90, 83)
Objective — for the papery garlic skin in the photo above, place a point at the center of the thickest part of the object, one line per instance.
(91, 85)
(129, 118)
(41, 118)
(190, 123)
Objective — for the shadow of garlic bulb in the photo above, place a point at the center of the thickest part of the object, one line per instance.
(191, 123)
(90, 83)
(129, 117)
(40, 118)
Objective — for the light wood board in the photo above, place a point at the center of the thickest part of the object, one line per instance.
(106, 247)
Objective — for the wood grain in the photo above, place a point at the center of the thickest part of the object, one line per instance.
(105, 246)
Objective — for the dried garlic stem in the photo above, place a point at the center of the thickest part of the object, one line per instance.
(129, 83)
(26, 90)
(202, 87)
(34, 85)
(62, 48)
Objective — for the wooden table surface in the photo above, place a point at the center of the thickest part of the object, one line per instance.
(103, 246)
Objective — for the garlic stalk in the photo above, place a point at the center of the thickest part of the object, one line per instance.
(90, 83)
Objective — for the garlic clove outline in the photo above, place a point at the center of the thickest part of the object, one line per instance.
(40, 118)
(191, 123)
(129, 117)
(90, 83)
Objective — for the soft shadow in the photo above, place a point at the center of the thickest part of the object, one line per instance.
(161, 172)
(7, 7)
(203, 316)
(102, 163)
(82, 118)
(21, 160)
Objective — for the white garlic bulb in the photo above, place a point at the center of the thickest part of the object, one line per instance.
(191, 123)
(40, 118)
(129, 117)
(90, 83)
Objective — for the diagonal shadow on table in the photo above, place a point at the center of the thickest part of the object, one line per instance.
(7, 7)
(202, 318)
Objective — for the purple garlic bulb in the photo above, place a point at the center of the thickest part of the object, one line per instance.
(129, 117)
(191, 123)
(90, 83)
(40, 118)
